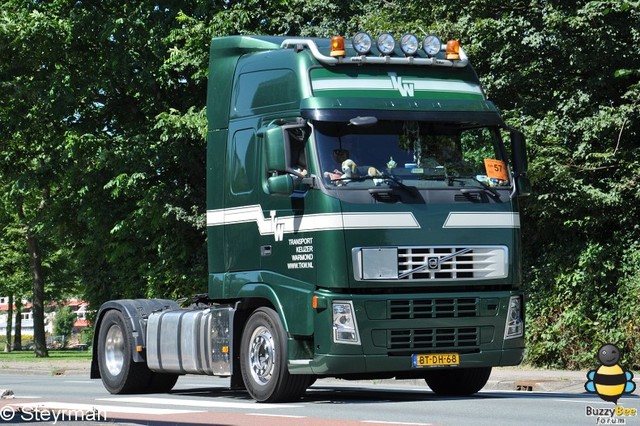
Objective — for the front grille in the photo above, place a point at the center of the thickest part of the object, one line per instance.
(451, 263)
(463, 339)
(433, 308)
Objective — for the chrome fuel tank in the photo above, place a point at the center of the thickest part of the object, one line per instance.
(190, 341)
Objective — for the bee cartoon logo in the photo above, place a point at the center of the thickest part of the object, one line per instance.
(610, 380)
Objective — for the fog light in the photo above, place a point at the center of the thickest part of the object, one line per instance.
(362, 43)
(409, 44)
(514, 326)
(345, 328)
(431, 45)
(386, 43)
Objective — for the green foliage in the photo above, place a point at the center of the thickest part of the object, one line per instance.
(86, 336)
(63, 322)
(581, 225)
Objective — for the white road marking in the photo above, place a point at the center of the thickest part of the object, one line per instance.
(196, 403)
(24, 397)
(396, 423)
(584, 401)
(74, 407)
(276, 415)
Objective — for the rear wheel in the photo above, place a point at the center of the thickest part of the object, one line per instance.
(458, 382)
(115, 357)
(263, 360)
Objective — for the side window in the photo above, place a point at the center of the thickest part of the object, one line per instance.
(478, 144)
(263, 91)
(242, 164)
(297, 150)
(481, 152)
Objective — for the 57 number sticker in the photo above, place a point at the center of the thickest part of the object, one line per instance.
(496, 169)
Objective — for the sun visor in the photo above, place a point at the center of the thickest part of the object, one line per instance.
(343, 110)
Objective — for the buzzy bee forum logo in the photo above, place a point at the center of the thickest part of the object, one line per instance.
(610, 381)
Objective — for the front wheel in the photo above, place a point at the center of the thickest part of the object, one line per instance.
(263, 360)
(458, 382)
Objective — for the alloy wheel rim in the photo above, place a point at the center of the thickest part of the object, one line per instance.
(262, 355)
(114, 350)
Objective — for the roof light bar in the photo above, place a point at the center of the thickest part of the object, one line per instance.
(370, 59)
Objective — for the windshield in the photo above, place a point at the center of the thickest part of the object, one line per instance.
(420, 154)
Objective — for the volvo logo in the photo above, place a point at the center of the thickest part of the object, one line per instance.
(433, 263)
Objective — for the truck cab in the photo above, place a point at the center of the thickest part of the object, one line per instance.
(362, 219)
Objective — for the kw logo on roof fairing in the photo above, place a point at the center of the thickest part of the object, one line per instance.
(405, 89)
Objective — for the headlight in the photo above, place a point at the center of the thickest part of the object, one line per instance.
(514, 326)
(345, 328)
(386, 43)
(409, 44)
(362, 43)
(431, 45)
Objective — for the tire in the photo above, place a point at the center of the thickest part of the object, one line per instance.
(115, 357)
(263, 360)
(458, 382)
(161, 382)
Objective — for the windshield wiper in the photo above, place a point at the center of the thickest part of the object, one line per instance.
(410, 189)
(484, 185)
(434, 177)
(384, 177)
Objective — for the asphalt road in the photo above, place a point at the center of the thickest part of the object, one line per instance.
(195, 400)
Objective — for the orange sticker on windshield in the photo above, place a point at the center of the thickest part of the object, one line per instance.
(496, 169)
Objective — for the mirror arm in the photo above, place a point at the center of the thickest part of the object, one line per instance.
(311, 181)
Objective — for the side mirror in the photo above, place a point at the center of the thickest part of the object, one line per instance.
(277, 151)
(520, 163)
(280, 185)
(276, 147)
(519, 153)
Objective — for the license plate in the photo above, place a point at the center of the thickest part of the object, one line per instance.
(435, 360)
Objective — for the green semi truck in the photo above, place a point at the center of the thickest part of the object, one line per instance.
(362, 218)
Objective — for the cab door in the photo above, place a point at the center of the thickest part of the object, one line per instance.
(242, 193)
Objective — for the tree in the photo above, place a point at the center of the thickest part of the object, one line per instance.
(17, 336)
(34, 109)
(7, 346)
(14, 276)
(63, 323)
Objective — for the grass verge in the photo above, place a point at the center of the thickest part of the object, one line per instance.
(54, 355)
